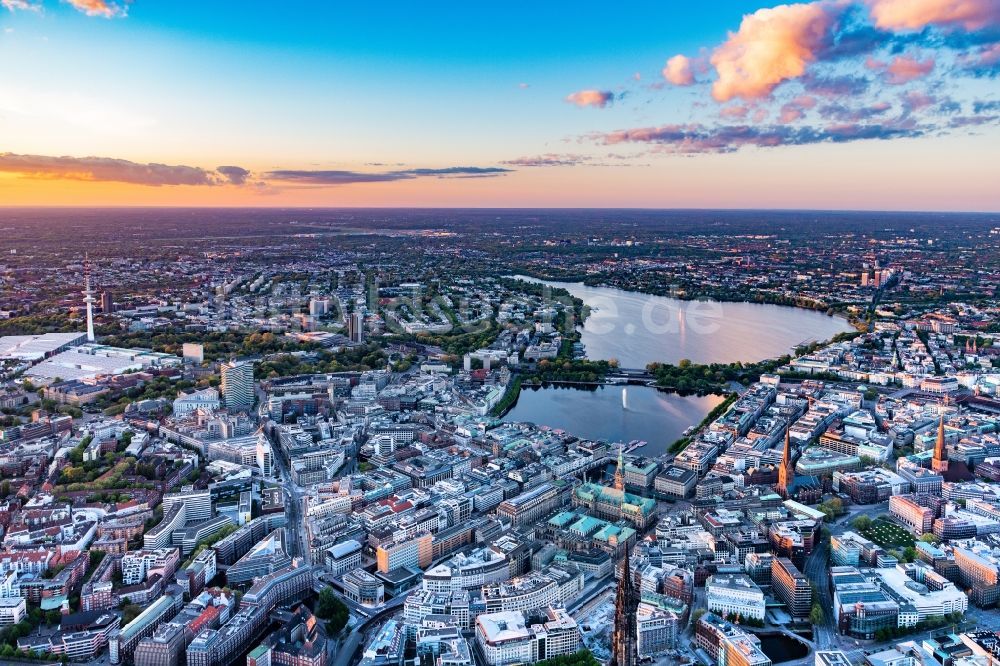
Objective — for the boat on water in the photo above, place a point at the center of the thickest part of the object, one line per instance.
(690, 430)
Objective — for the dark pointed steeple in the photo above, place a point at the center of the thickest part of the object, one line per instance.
(786, 473)
(625, 637)
(940, 461)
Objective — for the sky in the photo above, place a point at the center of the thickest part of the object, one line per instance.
(833, 104)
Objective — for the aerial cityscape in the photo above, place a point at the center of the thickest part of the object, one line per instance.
(470, 363)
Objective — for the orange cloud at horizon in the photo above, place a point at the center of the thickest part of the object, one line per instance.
(836, 176)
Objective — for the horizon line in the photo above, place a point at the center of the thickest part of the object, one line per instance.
(901, 211)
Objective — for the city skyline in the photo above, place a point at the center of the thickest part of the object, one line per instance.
(871, 104)
(491, 437)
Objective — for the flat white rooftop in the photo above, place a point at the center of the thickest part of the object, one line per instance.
(91, 360)
(37, 347)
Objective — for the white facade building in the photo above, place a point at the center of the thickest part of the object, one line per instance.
(734, 594)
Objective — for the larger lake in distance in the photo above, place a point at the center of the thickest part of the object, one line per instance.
(638, 329)
(653, 416)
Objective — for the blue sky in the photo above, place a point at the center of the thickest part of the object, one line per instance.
(390, 87)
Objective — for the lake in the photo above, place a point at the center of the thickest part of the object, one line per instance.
(654, 416)
(638, 329)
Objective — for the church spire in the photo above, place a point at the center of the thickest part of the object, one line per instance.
(625, 635)
(785, 472)
(940, 461)
(620, 472)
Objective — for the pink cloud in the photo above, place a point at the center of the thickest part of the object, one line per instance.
(796, 108)
(595, 98)
(844, 113)
(692, 138)
(984, 61)
(901, 69)
(989, 55)
(915, 100)
(771, 46)
(678, 71)
(789, 114)
(916, 14)
(738, 111)
(20, 5)
(100, 8)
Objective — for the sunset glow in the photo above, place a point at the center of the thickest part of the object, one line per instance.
(830, 104)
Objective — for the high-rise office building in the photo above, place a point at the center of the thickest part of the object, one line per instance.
(237, 385)
(356, 327)
(319, 307)
(415, 552)
(979, 571)
(107, 304)
(197, 503)
(265, 455)
(791, 587)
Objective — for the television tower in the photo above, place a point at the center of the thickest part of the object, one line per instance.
(88, 298)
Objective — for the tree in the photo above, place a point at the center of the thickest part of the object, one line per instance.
(326, 606)
(832, 508)
(816, 614)
(129, 610)
(581, 658)
(862, 522)
(331, 608)
(96, 556)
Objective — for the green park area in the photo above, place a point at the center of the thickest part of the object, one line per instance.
(886, 534)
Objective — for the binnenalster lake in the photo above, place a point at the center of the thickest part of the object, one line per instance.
(653, 416)
(638, 329)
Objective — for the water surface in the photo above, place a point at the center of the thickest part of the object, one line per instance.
(638, 329)
(654, 416)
